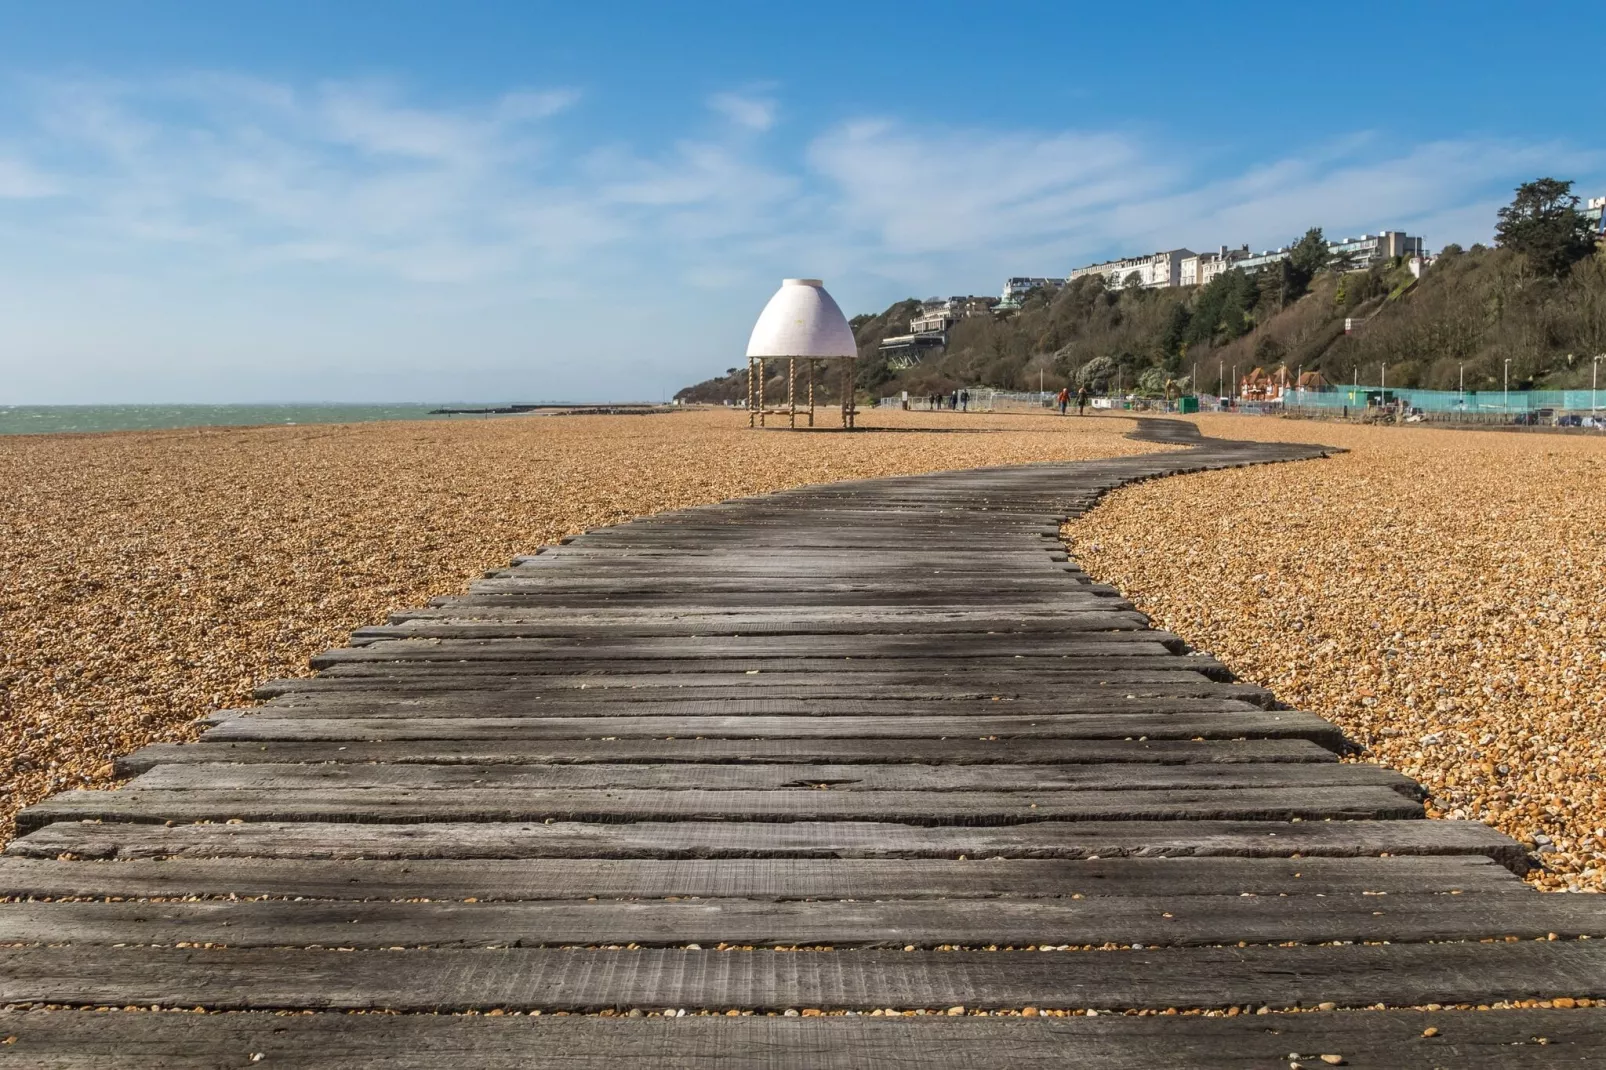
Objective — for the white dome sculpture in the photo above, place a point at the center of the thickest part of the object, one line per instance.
(801, 320)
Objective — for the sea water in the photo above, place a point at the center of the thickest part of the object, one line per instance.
(47, 419)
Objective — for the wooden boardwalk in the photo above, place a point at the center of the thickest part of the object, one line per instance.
(869, 747)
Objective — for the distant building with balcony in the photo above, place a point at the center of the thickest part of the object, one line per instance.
(1021, 285)
(1371, 249)
(1359, 254)
(1201, 268)
(940, 313)
(1154, 271)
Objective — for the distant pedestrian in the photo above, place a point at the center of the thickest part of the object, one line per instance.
(1064, 398)
(964, 401)
(1081, 401)
(953, 401)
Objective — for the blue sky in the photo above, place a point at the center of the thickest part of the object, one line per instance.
(428, 201)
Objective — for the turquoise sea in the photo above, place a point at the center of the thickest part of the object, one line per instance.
(49, 419)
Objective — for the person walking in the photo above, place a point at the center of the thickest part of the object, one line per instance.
(964, 401)
(1064, 398)
(1081, 401)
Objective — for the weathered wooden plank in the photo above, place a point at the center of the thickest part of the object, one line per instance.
(1066, 595)
(792, 839)
(1074, 647)
(401, 805)
(603, 702)
(1050, 687)
(1069, 666)
(755, 878)
(894, 618)
(445, 980)
(722, 777)
(1384, 1040)
(791, 751)
(1280, 724)
(1150, 921)
(425, 625)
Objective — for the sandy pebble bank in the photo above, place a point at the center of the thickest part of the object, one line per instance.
(1441, 595)
(153, 576)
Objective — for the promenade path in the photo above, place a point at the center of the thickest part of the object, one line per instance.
(874, 747)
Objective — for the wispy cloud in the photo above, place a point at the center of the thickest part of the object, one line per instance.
(358, 190)
(750, 110)
(19, 180)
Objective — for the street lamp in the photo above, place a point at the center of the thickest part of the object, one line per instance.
(1594, 374)
(1505, 395)
(1461, 370)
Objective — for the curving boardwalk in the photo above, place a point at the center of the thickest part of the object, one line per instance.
(867, 747)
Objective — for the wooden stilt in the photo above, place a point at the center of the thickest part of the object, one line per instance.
(762, 375)
(752, 417)
(791, 391)
(849, 369)
(812, 363)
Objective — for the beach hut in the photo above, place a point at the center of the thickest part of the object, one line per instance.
(801, 322)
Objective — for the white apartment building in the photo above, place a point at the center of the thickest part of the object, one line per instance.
(1362, 253)
(1199, 269)
(1021, 285)
(1595, 212)
(1154, 270)
(939, 313)
(1183, 267)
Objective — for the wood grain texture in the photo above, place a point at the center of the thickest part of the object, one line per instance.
(1379, 1040)
(754, 878)
(449, 980)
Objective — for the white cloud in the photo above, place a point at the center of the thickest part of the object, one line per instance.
(361, 211)
(19, 180)
(746, 110)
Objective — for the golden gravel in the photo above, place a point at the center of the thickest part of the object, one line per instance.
(1440, 595)
(153, 576)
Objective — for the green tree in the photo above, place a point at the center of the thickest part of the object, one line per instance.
(1133, 282)
(1151, 383)
(1098, 374)
(1307, 259)
(1543, 223)
(1175, 334)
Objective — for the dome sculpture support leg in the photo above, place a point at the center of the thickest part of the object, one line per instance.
(848, 369)
(752, 417)
(812, 363)
(791, 391)
(763, 373)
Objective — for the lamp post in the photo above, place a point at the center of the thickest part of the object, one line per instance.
(1383, 375)
(1221, 381)
(1594, 374)
(1505, 390)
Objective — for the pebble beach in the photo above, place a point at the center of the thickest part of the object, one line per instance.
(1436, 593)
(1439, 594)
(154, 576)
